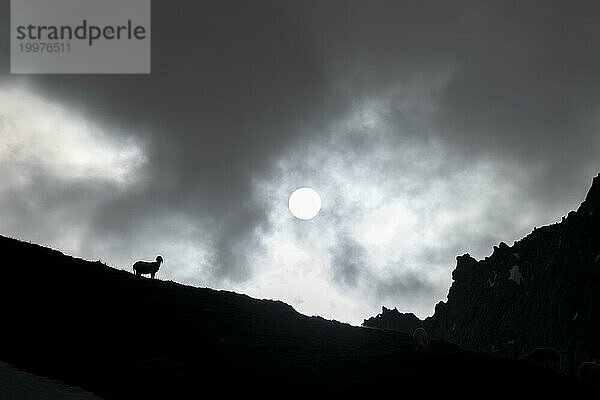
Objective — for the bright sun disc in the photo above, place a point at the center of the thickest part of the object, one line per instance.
(304, 203)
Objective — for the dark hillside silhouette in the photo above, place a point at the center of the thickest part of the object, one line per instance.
(123, 337)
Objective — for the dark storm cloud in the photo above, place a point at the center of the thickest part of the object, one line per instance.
(407, 286)
(348, 260)
(45, 192)
(523, 82)
(235, 83)
(531, 91)
(348, 270)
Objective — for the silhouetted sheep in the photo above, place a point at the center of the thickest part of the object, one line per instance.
(147, 267)
(545, 357)
(589, 372)
(421, 339)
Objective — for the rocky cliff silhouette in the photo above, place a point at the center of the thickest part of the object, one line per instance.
(543, 291)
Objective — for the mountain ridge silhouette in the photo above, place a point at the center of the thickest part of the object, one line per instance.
(121, 336)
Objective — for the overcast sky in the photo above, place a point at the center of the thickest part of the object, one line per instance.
(430, 129)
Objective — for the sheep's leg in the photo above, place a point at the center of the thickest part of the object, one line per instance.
(152, 275)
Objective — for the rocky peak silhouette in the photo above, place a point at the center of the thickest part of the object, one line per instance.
(540, 292)
(591, 204)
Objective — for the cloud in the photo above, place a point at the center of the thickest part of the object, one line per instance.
(347, 261)
(40, 134)
(57, 168)
(429, 128)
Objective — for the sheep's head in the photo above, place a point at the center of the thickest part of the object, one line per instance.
(159, 260)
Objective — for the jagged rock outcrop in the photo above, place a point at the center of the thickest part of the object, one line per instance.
(543, 291)
(394, 320)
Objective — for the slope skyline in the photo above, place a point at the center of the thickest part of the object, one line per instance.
(127, 336)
